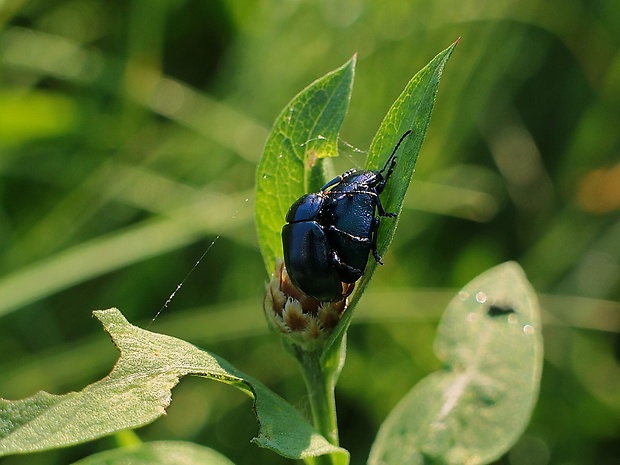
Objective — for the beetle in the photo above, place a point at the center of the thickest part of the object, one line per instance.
(330, 234)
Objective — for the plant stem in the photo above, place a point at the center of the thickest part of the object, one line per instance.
(320, 383)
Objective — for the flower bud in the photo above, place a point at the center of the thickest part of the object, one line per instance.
(303, 319)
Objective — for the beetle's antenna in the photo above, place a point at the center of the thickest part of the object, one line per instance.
(392, 160)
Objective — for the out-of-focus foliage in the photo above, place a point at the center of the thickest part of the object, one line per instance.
(129, 136)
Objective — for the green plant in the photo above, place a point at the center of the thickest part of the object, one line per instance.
(489, 339)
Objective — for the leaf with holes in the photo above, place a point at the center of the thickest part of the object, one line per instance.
(475, 409)
(138, 390)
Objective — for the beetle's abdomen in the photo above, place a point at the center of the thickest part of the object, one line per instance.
(307, 260)
(307, 207)
(351, 231)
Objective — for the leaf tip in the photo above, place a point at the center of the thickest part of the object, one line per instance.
(352, 61)
(512, 269)
(109, 317)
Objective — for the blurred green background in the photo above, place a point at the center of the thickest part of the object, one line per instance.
(129, 137)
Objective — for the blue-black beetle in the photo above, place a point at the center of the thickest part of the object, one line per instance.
(329, 234)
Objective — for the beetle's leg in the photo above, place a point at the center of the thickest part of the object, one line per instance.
(381, 185)
(390, 169)
(392, 159)
(343, 266)
(337, 179)
(381, 211)
(375, 227)
(333, 182)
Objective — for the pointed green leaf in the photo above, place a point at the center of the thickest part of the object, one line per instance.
(158, 453)
(138, 390)
(411, 111)
(477, 407)
(303, 135)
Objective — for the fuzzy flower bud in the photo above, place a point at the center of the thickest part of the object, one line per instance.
(303, 319)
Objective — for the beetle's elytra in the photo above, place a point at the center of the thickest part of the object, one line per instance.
(329, 234)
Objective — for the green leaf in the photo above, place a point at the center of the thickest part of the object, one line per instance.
(158, 453)
(138, 390)
(476, 408)
(411, 111)
(305, 133)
